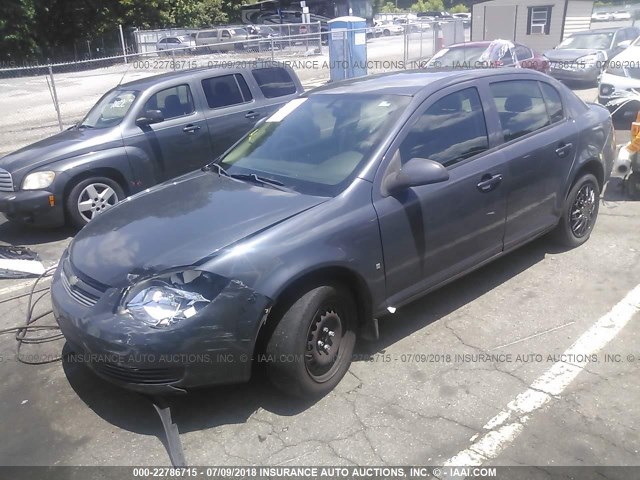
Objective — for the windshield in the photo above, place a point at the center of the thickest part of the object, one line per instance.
(456, 57)
(316, 145)
(596, 41)
(110, 109)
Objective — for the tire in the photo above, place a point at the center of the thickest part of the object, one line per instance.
(579, 213)
(107, 191)
(386, 33)
(633, 186)
(298, 363)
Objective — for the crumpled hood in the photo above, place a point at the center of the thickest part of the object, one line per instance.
(568, 54)
(63, 145)
(177, 224)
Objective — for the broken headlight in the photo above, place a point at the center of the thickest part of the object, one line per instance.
(169, 298)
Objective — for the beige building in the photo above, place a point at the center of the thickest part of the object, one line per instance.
(539, 24)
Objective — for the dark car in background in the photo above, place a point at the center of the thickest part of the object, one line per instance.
(350, 201)
(582, 57)
(489, 54)
(139, 134)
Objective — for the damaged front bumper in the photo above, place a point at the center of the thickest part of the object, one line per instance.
(213, 347)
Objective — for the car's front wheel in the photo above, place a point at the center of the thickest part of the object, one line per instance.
(311, 347)
(580, 212)
(91, 197)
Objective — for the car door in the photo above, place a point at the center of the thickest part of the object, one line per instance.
(540, 144)
(231, 110)
(179, 143)
(432, 233)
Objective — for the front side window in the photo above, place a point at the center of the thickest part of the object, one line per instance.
(172, 102)
(274, 82)
(539, 20)
(226, 90)
(110, 109)
(451, 130)
(521, 107)
(317, 144)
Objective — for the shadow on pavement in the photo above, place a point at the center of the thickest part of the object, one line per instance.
(14, 233)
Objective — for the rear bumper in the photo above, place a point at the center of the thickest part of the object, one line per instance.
(32, 207)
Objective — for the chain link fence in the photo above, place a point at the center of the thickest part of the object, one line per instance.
(41, 100)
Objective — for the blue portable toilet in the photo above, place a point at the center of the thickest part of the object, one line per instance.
(347, 47)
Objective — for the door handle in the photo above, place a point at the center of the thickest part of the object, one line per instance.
(252, 115)
(488, 182)
(563, 149)
(191, 128)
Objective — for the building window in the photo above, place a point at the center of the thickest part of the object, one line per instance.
(539, 21)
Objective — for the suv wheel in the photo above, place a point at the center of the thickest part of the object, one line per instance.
(580, 212)
(90, 198)
(311, 347)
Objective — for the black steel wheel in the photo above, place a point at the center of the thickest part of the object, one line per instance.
(312, 344)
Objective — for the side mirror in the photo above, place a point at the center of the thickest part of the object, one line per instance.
(624, 44)
(150, 116)
(415, 173)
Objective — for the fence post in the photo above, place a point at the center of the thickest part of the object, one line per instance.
(54, 95)
(124, 48)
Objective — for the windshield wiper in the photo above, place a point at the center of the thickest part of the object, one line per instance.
(252, 177)
(84, 125)
(217, 167)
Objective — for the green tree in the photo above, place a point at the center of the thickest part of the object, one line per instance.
(388, 7)
(17, 21)
(459, 8)
(428, 5)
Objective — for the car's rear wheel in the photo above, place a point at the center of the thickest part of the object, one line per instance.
(92, 197)
(580, 212)
(312, 344)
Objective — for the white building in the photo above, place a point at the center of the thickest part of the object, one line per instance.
(539, 24)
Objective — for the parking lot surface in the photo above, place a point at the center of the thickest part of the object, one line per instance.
(481, 371)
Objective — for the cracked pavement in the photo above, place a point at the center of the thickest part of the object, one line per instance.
(410, 398)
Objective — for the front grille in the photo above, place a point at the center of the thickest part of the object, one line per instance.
(634, 72)
(84, 292)
(6, 182)
(147, 376)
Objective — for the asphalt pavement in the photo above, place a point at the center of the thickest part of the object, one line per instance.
(484, 371)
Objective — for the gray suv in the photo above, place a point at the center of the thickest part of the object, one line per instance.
(138, 135)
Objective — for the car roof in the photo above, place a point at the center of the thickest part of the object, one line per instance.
(410, 82)
(143, 83)
(480, 43)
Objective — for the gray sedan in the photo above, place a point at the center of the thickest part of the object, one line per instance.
(346, 203)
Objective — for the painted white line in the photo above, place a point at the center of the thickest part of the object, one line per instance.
(505, 427)
(532, 336)
(21, 286)
(27, 284)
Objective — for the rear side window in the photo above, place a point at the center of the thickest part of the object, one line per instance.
(172, 102)
(451, 130)
(553, 102)
(274, 82)
(521, 107)
(226, 90)
(523, 53)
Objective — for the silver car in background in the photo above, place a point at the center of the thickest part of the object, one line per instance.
(583, 56)
(179, 44)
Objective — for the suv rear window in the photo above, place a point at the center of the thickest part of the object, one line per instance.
(274, 82)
